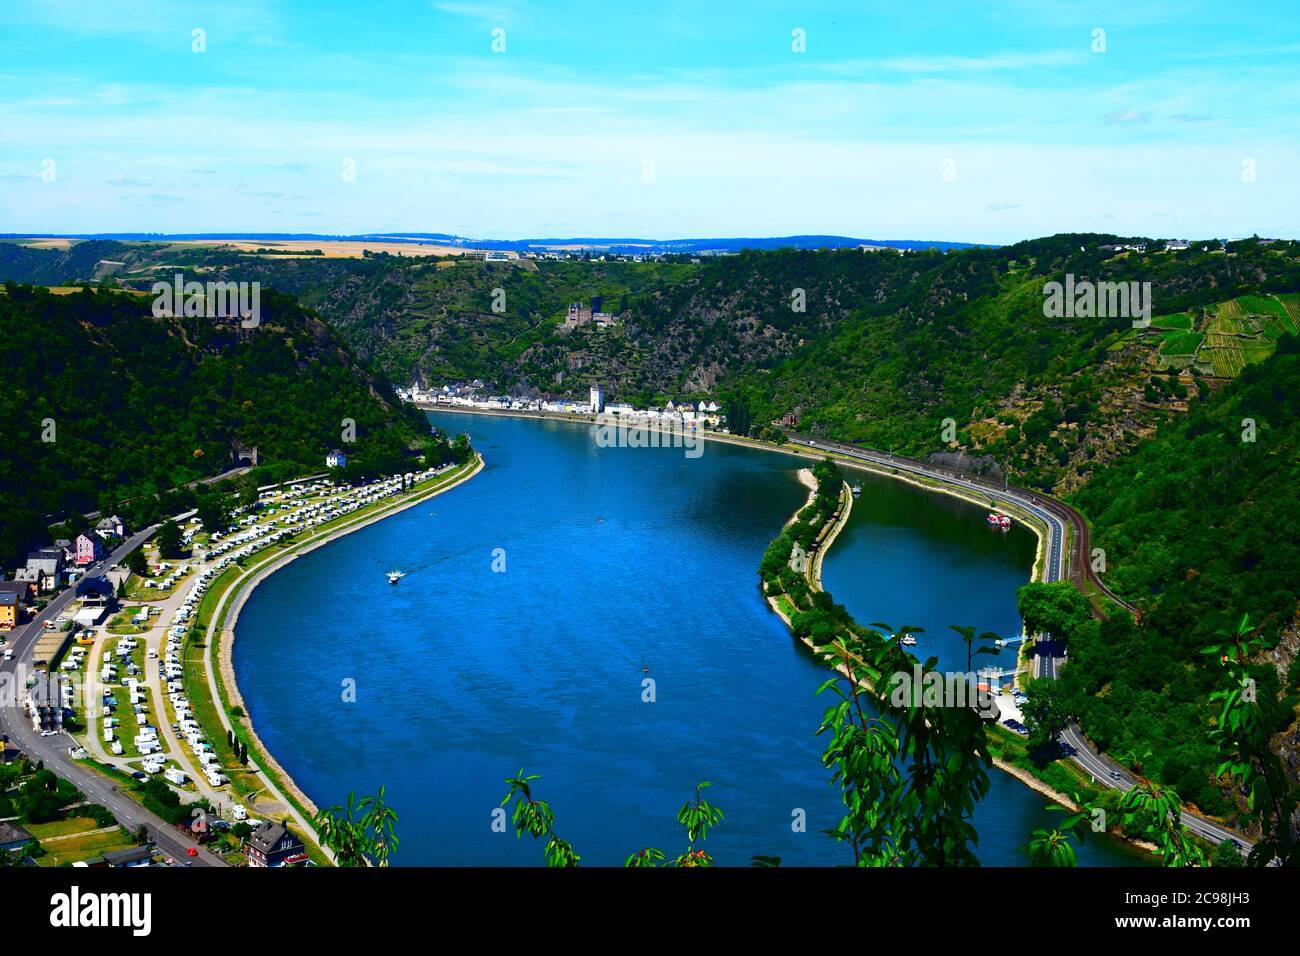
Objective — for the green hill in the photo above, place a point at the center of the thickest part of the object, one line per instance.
(1199, 526)
(882, 347)
(104, 403)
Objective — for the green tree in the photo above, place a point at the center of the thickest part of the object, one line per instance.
(1058, 608)
(535, 817)
(379, 821)
(1053, 847)
(169, 540)
(339, 828)
(362, 834)
(968, 637)
(1249, 715)
(740, 419)
(213, 509)
(1047, 712)
(1226, 854)
(136, 562)
(910, 771)
(698, 816)
(1154, 812)
(246, 491)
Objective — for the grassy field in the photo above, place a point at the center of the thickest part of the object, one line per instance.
(787, 608)
(1254, 354)
(1173, 363)
(83, 846)
(1262, 305)
(112, 773)
(136, 590)
(60, 828)
(1181, 343)
(1274, 328)
(1178, 321)
(121, 622)
(1122, 340)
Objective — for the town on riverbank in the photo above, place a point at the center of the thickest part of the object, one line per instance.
(119, 744)
(476, 396)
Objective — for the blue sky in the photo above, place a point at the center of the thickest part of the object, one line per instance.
(931, 120)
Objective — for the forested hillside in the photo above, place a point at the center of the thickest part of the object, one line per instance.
(882, 347)
(1199, 525)
(103, 402)
(438, 320)
(84, 260)
(963, 337)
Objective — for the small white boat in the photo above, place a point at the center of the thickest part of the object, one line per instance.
(857, 490)
(907, 640)
(395, 576)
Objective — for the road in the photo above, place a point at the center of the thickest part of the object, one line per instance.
(53, 750)
(211, 479)
(1065, 561)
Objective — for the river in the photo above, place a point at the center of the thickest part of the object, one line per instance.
(538, 597)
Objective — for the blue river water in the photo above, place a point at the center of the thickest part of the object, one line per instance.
(618, 564)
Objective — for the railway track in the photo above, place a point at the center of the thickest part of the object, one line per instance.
(1069, 550)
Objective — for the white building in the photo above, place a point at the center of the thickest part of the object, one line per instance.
(597, 399)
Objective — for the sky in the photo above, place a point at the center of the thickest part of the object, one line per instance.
(958, 121)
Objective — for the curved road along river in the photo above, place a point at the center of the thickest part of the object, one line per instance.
(1063, 563)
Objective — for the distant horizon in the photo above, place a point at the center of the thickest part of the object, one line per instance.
(416, 237)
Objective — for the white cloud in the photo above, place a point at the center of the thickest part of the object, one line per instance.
(501, 13)
(1128, 116)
